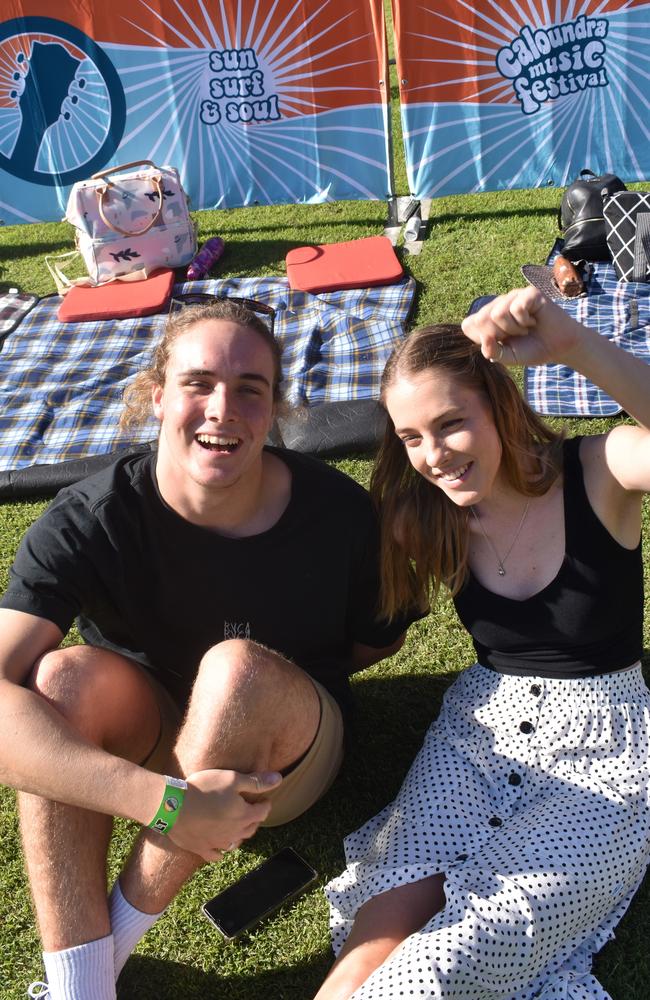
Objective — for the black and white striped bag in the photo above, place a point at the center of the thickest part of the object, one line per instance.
(627, 220)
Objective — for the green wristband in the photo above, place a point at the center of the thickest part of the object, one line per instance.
(170, 807)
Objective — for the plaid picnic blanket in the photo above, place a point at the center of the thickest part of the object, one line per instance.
(620, 311)
(61, 384)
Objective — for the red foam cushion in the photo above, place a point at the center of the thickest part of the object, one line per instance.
(355, 264)
(118, 299)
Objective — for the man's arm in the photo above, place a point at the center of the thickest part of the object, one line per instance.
(364, 656)
(42, 754)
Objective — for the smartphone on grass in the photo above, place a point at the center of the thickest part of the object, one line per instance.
(256, 895)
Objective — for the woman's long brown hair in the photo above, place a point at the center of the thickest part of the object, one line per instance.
(424, 535)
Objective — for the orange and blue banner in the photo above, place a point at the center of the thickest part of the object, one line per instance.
(254, 102)
(503, 94)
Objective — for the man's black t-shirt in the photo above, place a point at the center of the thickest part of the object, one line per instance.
(145, 582)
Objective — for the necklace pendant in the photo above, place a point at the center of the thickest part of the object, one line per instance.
(501, 562)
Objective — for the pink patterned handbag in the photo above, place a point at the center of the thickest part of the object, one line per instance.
(134, 217)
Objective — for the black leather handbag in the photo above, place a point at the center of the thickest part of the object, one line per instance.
(581, 218)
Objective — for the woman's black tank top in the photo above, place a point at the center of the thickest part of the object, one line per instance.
(587, 621)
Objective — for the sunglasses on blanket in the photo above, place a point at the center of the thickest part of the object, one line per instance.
(204, 299)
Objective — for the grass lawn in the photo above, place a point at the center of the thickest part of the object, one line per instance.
(476, 246)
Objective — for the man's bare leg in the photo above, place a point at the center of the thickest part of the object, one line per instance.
(250, 710)
(109, 701)
(379, 928)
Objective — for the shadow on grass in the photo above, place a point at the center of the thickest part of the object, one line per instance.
(347, 222)
(61, 238)
(394, 713)
(505, 213)
(154, 979)
(392, 717)
(9, 252)
(243, 257)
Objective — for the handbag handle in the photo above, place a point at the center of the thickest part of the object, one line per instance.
(64, 283)
(122, 166)
(641, 247)
(61, 280)
(103, 189)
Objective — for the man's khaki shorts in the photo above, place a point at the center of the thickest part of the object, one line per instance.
(302, 786)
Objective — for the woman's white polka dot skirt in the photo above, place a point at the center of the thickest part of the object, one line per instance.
(532, 796)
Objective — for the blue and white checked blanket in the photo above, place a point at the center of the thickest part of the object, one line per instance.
(620, 311)
(61, 384)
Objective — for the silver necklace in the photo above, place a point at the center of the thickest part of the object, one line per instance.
(501, 563)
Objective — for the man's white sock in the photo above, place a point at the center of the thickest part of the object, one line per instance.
(81, 972)
(128, 925)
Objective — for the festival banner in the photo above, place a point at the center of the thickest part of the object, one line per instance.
(254, 102)
(502, 94)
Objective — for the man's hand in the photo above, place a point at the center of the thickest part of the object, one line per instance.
(218, 811)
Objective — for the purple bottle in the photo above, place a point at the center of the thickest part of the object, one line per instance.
(208, 255)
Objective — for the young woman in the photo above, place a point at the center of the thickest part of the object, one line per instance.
(522, 830)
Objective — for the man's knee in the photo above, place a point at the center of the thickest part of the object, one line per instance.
(231, 657)
(63, 679)
(247, 696)
(102, 695)
(242, 670)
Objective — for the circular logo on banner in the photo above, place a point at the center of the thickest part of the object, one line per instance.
(62, 105)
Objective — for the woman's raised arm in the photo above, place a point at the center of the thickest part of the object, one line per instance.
(524, 327)
(535, 331)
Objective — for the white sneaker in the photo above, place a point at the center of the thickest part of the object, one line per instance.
(43, 991)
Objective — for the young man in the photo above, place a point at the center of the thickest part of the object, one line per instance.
(225, 591)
